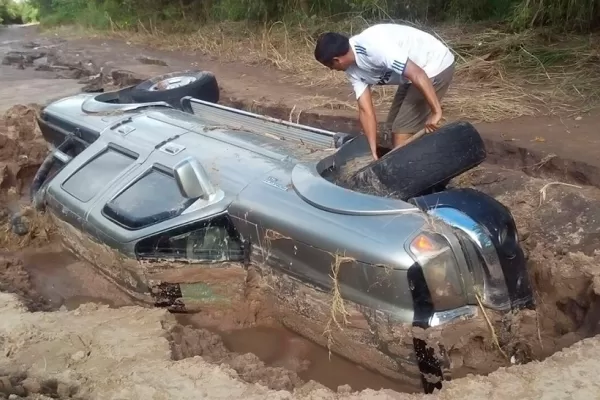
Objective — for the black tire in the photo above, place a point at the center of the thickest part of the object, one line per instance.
(204, 87)
(422, 166)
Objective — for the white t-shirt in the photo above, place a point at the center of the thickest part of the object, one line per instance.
(382, 51)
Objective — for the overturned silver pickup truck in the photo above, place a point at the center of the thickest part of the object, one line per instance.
(178, 190)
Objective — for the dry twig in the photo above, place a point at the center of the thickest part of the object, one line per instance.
(492, 330)
(547, 185)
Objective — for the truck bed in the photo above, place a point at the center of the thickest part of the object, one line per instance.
(304, 142)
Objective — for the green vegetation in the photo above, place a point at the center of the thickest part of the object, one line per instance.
(579, 15)
(13, 12)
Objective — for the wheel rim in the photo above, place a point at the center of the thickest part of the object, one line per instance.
(172, 83)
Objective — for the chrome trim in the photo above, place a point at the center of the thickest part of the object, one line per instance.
(480, 237)
(65, 158)
(172, 83)
(93, 106)
(444, 317)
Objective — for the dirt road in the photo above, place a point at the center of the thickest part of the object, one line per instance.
(21, 86)
(70, 350)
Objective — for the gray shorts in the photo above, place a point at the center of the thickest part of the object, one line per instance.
(410, 109)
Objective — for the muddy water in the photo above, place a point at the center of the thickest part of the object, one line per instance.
(279, 347)
(63, 280)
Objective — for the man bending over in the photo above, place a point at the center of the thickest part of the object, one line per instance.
(392, 54)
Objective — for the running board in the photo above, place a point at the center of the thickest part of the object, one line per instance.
(217, 114)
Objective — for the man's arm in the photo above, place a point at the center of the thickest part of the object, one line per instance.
(368, 120)
(396, 59)
(420, 79)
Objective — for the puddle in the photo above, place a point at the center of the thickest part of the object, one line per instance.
(279, 347)
(64, 280)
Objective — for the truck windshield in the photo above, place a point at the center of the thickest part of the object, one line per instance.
(90, 179)
(153, 198)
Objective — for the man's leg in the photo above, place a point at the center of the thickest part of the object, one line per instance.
(394, 108)
(414, 110)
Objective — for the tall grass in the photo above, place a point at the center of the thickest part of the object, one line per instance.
(581, 15)
(13, 12)
(577, 15)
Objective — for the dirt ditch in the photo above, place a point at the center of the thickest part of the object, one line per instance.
(558, 225)
(559, 228)
(36, 266)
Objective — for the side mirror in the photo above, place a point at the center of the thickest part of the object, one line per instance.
(192, 179)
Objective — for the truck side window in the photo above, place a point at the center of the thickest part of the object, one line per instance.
(211, 240)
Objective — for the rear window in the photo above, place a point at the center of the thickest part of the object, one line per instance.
(90, 179)
(153, 198)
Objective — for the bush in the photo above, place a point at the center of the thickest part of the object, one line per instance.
(12, 12)
(564, 14)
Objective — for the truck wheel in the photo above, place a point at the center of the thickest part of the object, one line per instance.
(171, 88)
(422, 166)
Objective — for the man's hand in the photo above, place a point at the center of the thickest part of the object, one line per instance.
(420, 79)
(433, 122)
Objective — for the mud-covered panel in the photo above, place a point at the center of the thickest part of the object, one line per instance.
(201, 285)
(359, 334)
(375, 286)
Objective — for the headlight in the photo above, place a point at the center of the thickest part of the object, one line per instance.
(433, 252)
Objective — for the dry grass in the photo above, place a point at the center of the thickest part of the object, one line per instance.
(498, 76)
(491, 327)
(544, 189)
(270, 237)
(338, 309)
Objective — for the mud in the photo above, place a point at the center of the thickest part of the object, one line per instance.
(187, 341)
(14, 278)
(278, 346)
(349, 169)
(20, 386)
(50, 57)
(565, 315)
(41, 270)
(123, 353)
(559, 251)
(22, 148)
(558, 229)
